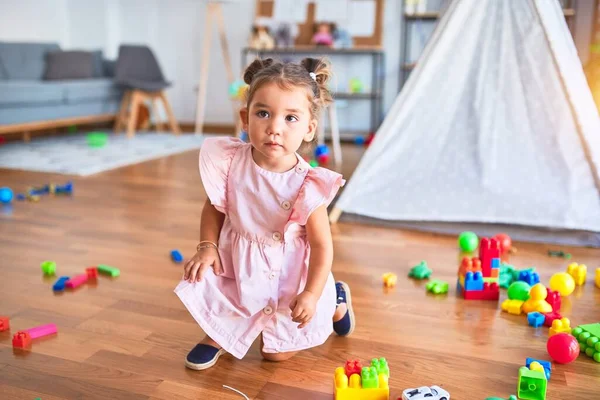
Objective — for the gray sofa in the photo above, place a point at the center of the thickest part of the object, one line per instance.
(29, 102)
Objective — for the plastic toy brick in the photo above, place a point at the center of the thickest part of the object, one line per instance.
(469, 264)
(488, 249)
(437, 287)
(4, 324)
(550, 317)
(369, 378)
(381, 365)
(22, 339)
(425, 393)
(598, 277)
(495, 272)
(176, 256)
(553, 298)
(578, 272)
(588, 337)
(536, 301)
(105, 269)
(65, 189)
(511, 397)
(536, 319)
(92, 272)
(353, 388)
(490, 292)
(76, 281)
(514, 307)
(491, 280)
(48, 267)
(59, 285)
(420, 271)
(473, 281)
(545, 364)
(532, 384)
(559, 253)
(562, 325)
(352, 367)
(530, 277)
(389, 279)
(495, 263)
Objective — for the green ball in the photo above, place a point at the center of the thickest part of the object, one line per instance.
(519, 291)
(313, 163)
(468, 241)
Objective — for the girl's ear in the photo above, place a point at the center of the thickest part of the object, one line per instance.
(312, 130)
(244, 118)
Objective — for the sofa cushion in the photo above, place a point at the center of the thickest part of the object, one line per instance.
(15, 93)
(91, 90)
(63, 65)
(24, 60)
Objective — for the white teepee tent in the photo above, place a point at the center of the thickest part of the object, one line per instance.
(496, 125)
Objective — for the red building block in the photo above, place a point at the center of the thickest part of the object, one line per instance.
(352, 367)
(553, 298)
(92, 272)
(488, 249)
(489, 292)
(551, 316)
(21, 340)
(4, 324)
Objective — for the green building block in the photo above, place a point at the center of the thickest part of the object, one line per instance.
(588, 337)
(532, 384)
(105, 269)
(369, 378)
(437, 287)
(48, 267)
(420, 271)
(512, 397)
(381, 365)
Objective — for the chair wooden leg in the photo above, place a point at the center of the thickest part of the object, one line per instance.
(171, 117)
(136, 100)
(122, 116)
(159, 125)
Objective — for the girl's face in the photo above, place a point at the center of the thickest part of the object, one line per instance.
(278, 121)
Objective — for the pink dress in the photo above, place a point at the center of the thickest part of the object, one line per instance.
(264, 251)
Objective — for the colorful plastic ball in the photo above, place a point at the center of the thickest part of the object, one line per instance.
(468, 241)
(6, 195)
(563, 283)
(505, 242)
(563, 348)
(359, 140)
(519, 291)
(321, 149)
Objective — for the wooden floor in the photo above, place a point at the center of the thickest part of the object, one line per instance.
(127, 338)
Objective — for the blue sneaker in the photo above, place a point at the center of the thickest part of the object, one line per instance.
(203, 356)
(344, 326)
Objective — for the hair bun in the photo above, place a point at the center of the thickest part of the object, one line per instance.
(255, 67)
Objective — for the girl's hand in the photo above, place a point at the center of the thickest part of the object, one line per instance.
(303, 308)
(196, 266)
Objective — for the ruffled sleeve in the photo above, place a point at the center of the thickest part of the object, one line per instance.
(215, 159)
(319, 188)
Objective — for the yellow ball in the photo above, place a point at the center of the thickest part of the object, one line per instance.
(563, 283)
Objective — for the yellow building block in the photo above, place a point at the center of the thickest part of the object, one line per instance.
(560, 326)
(578, 272)
(598, 277)
(461, 280)
(351, 389)
(512, 306)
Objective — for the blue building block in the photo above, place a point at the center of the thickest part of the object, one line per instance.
(59, 285)
(546, 364)
(495, 263)
(530, 277)
(536, 319)
(473, 281)
(176, 256)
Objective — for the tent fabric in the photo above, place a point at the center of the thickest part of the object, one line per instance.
(496, 124)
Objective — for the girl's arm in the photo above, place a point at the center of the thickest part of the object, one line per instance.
(318, 233)
(211, 223)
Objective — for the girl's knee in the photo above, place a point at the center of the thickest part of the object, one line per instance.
(278, 356)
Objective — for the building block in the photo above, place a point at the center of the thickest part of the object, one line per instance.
(59, 285)
(488, 249)
(381, 365)
(495, 264)
(76, 281)
(550, 317)
(368, 384)
(106, 270)
(489, 292)
(530, 277)
(532, 384)
(22, 339)
(495, 273)
(536, 301)
(92, 272)
(536, 319)
(437, 287)
(352, 367)
(469, 264)
(369, 378)
(473, 281)
(389, 279)
(578, 272)
(545, 364)
(562, 325)
(420, 271)
(4, 324)
(176, 256)
(48, 267)
(553, 298)
(598, 277)
(491, 280)
(512, 306)
(588, 337)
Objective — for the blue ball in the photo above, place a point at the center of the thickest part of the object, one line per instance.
(6, 195)
(321, 150)
(360, 140)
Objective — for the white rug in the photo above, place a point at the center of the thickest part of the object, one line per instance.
(71, 155)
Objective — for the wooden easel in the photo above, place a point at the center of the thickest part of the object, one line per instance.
(214, 13)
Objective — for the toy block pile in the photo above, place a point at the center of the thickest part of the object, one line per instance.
(478, 277)
(355, 382)
(588, 337)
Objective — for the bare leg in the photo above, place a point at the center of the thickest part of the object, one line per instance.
(276, 357)
(207, 340)
(340, 311)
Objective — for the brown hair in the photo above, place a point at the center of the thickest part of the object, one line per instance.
(289, 75)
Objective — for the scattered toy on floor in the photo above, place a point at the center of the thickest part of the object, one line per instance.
(22, 339)
(6, 195)
(532, 382)
(598, 278)
(48, 268)
(559, 253)
(420, 271)
(578, 272)
(437, 287)
(106, 270)
(176, 256)
(356, 382)
(389, 279)
(563, 348)
(468, 241)
(588, 337)
(563, 283)
(4, 323)
(425, 393)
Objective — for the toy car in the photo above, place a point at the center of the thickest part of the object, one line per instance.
(427, 393)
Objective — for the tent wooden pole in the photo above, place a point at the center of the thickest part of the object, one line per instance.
(201, 104)
(334, 215)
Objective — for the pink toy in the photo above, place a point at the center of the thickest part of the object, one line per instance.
(563, 348)
(22, 339)
(77, 280)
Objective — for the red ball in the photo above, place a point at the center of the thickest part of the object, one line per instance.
(370, 138)
(505, 242)
(323, 159)
(563, 348)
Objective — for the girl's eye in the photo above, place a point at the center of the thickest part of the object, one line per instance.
(262, 114)
(291, 118)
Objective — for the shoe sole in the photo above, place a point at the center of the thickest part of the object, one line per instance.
(349, 307)
(200, 367)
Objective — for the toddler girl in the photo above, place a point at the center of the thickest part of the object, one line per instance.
(263, 264)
